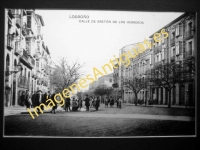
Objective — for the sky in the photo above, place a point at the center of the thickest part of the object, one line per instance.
(95, 43)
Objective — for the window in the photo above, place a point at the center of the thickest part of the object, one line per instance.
(174, 52)
(190, 48)
(163, 40)
(177, 49)
(173, 35)
(110, 80)
(190, 27)
(29, 21)
(163, 54)
(157, 57)
(177, 30)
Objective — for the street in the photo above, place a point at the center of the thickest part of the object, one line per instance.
(107, 122)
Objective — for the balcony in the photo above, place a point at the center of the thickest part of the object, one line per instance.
(18, 22)
(25, 55)
(172, 41)
(24, 30)
(22, 82)
(32, 62)
(10, 40)
(188, 35)
(172, 59)
(10, 13)
(17, 48)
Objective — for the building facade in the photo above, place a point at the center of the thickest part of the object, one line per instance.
(178, 47)
(27, 59)
(137, 68)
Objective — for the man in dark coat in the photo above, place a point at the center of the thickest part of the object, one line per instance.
(33, 99)
(97, 103)
(67, 104)
(87, 103)
(23, 98)
(54, 107)
(38, 99)
(27, 103)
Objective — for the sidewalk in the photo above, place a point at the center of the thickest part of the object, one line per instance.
(14, 110)
(172, 106)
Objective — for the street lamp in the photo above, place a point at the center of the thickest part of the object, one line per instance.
(19, 68)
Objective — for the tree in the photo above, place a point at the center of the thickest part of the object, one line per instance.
(102, 90)
(136, 84)
(167, 76)
(80, 95)
(65, 74)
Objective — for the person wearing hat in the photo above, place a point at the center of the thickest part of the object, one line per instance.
(67, 103)
(87, 102)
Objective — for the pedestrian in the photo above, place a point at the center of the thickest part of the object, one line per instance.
(74, 104)
(94, 102)
(106, 102)
(23, 98)
(67, 103)
(80, 104)
(97, 103)
(117, 101)
(27, 99)
(120, 102)
(111, 101)
(33, 99)
(55, 106)
(87, 103)
(91, 102)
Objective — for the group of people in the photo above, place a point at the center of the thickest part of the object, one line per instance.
(76, 104)
(35, 99)
(92, 102)
(111, 101)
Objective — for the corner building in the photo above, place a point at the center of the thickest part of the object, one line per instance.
(180, 46)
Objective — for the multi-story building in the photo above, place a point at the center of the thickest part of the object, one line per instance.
(115, 85)
(26, 57)
(137, 68)
(178, 47)
(106, 80)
